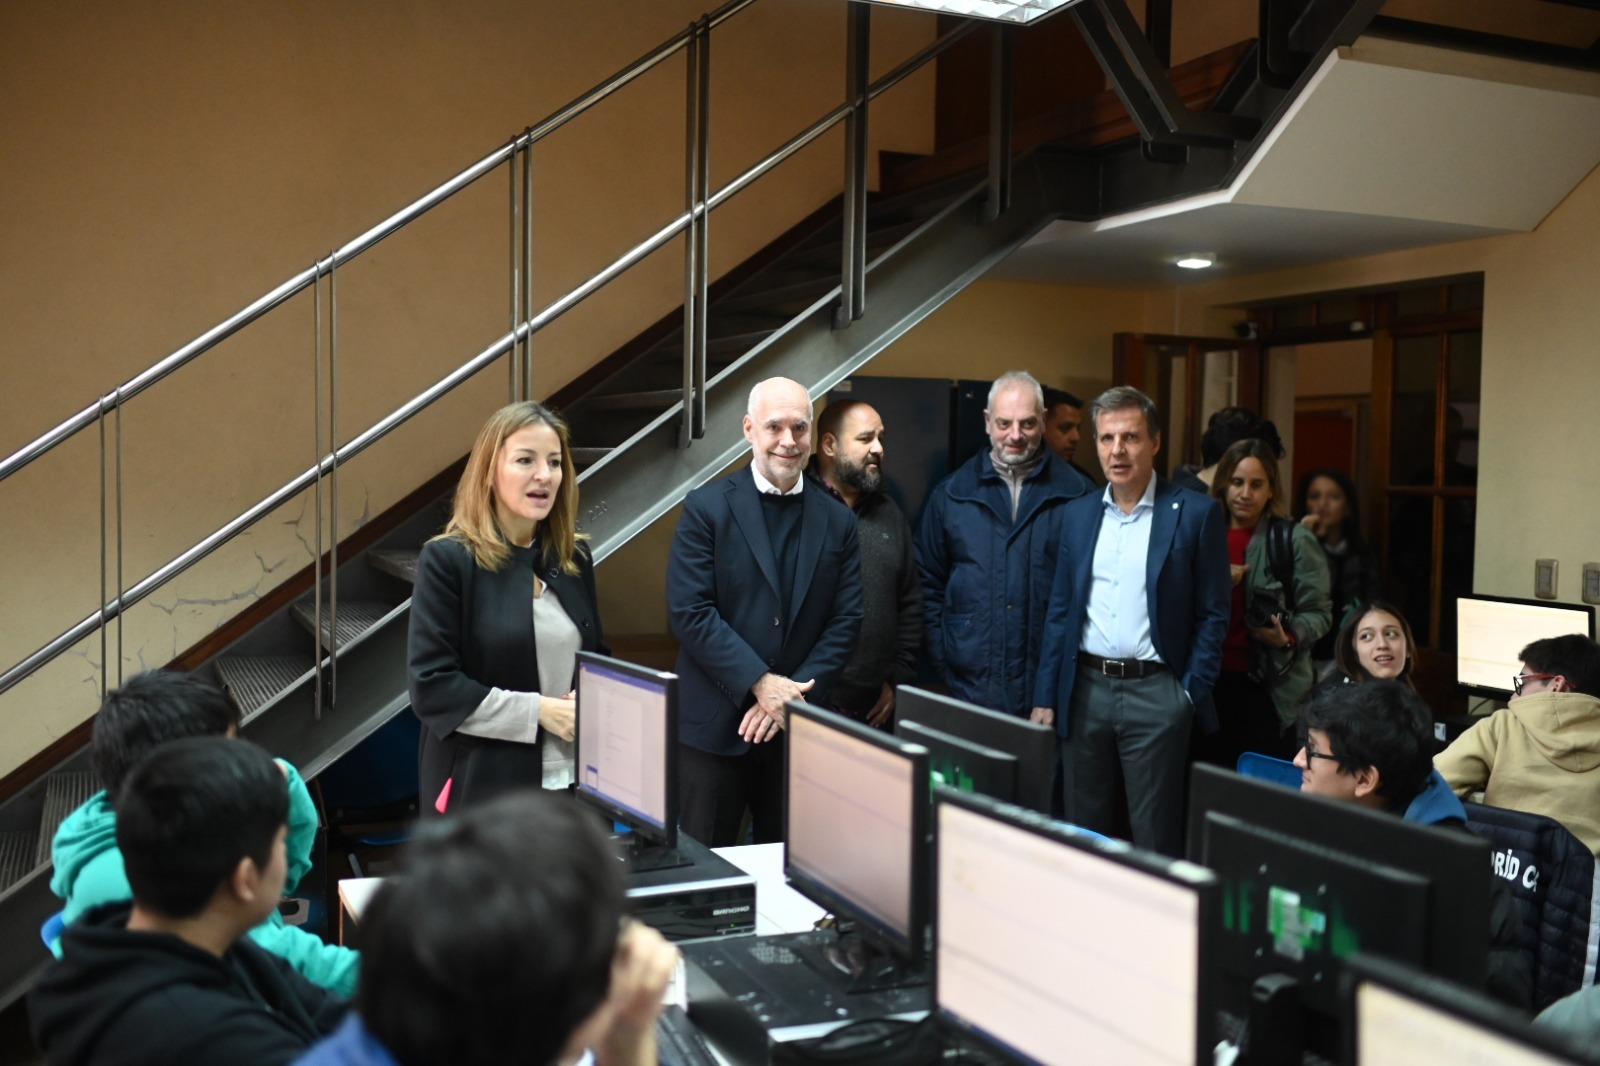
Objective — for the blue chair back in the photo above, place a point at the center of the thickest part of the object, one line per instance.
(51, 930)
(1278, 771)
(379, 772)
(1090, 833)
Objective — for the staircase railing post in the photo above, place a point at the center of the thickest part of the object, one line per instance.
(527, 269)
(697, 245)
(513, 269)
(117, 394)
(691, 244)
(316, 494)
(1000, 54)
(857, 74)
(105, 660)
(333, 484)
(703, 233)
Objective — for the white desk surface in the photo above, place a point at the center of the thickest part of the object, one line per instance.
(779, 908)
(356, 892)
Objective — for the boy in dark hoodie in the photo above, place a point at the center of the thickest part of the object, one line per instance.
(149, 710)
(170, 978)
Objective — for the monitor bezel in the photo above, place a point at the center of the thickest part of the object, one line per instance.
(1447, 997)
(1457, 921)
(912, 946)
(1505, 693)
(994, 762)
(1033, 782)
(664, 835)
(1174, 871)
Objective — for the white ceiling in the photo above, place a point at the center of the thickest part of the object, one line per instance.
(1392, 145)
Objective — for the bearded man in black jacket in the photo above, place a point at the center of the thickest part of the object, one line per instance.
(168, 978)
(848, 463)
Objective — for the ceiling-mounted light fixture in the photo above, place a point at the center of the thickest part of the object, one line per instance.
(1019, 11)
(1197, 261)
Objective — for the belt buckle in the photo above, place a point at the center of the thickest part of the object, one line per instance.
(1121, 665)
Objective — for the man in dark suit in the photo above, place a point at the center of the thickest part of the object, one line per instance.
(764, 596)
(1133, 638)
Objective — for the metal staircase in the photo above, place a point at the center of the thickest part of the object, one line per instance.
(327, 670)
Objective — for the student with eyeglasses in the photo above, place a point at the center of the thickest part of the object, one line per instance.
(1541, 753)
(1371, 744)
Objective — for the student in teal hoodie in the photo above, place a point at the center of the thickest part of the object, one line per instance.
(149, 710)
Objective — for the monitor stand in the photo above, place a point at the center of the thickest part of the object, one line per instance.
(642, 855)
(1274, 1031)
(864, 967)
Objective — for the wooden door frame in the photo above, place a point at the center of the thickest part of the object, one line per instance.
(1130, 366)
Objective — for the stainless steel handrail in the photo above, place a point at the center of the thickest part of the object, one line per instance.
(328, 463)
(298, 283)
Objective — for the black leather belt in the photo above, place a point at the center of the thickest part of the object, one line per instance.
(1122, 668)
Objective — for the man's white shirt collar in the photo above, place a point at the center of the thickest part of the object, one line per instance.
(1147, 500)
(763, 485)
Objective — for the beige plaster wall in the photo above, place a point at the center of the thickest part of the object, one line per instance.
(167, 162)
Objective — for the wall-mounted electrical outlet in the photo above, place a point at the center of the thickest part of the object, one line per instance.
(1544, 578)
(1591, 582)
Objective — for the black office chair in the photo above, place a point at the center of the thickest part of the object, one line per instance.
(1552, 876)
(369, 796)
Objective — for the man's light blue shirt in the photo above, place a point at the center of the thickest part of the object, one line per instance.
(1117, 622)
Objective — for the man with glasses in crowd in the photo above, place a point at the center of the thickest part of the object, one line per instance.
(1541, 753)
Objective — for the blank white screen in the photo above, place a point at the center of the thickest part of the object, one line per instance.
(1061, 954)
(1490, 635)
(622, 741)
(850, 820)
(1396, 1030)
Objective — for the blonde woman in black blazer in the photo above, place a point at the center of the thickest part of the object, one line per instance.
(479, 655)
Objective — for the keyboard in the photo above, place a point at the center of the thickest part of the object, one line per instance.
(678, 1042)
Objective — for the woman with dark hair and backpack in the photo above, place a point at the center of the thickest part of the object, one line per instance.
(1281, 608)
(1328, 507)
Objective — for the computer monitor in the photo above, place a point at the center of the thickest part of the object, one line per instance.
(1309, 881)
(1491, 632)
(1033, 745)
(1054, 947)
(963, 765)
(857, 834)
(1401, 1016)
(626, 731)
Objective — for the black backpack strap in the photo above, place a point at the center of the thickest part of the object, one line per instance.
(1280, 557)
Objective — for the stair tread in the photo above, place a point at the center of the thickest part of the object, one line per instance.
(643, 399)
(63, 793)
(354, 618)
(252, 680)
(731, 344)
(18, 851)
(400, 562)
(878, 238)
(583, 458)
(778, 294)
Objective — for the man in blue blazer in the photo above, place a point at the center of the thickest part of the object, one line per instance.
(764, 595)
(1133, 637)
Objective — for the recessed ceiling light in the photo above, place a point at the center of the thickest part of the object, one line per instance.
(1022, 11)
(1197, 261)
